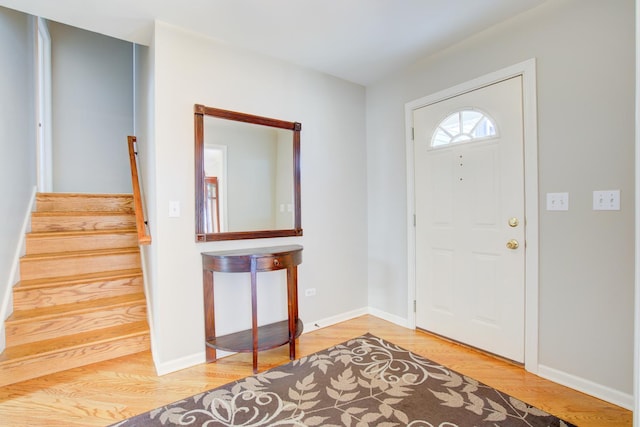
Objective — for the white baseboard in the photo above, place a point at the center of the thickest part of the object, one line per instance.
(591, 388)
(6, 304)
(180, 364)
(400, 321)
(314, 325)
(198, 358)
(323, 323)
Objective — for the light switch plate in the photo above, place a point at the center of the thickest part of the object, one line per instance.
(606, 200)
(557, 201)
(174, 209)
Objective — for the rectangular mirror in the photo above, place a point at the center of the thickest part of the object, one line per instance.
(247, 176)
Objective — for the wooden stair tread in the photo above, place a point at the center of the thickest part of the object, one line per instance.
(76, 278)
(57, 202)
(22, 351)
(80, 254)
(81, 298)
(75, 308)
(74, 233)
(46, 240)
(80, 213)
(83, 195)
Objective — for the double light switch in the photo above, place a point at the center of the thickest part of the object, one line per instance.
(603, 200)
(607, 200)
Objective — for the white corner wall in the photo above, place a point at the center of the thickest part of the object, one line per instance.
(143, 131)
(585, 57)
(190, 69)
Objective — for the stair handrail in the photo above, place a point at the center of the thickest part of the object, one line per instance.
(144, 237)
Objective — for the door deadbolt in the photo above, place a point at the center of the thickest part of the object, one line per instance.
(513, 222)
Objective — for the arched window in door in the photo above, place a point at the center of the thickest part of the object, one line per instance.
(464, 125)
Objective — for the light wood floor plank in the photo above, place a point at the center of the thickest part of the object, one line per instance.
(106, 392)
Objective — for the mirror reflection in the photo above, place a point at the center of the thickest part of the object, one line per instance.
(247, 176)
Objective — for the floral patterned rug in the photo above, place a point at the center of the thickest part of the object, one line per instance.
(363, 382)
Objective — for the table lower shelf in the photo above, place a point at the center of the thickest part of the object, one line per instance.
(269, 336)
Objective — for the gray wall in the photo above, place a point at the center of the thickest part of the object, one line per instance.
(17, 134)
(92, 82)
(585, 80)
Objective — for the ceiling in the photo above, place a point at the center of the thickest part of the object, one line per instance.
(356, 40)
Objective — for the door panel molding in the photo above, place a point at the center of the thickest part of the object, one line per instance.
(526, 69)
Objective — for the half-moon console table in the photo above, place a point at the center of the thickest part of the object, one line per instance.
(257, 338)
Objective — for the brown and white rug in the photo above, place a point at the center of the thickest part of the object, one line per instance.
(363, 382)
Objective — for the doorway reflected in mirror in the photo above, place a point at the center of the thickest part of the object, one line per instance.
(247, 176)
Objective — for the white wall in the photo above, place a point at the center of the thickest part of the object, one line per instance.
(92, 111)
(143, 130)
(585, 62)
(17, 139)
(190, 69)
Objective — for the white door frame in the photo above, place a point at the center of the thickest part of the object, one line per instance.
(527, 70)
(636, 367)
(44, 151)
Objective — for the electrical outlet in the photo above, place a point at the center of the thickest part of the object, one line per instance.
(311, 292)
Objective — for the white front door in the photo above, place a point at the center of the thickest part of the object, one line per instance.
(470, 225)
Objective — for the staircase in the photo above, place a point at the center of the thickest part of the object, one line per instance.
(81, 296)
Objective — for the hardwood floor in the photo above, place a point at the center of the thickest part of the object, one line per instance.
(106, 392)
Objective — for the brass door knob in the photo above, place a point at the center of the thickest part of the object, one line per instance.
(513, 244)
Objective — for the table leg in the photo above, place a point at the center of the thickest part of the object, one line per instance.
(292, 298)
(209, 315)
(254, 313)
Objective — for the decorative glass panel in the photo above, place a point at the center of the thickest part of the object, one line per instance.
(463, 126)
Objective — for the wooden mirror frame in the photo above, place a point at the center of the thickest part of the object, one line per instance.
(199, 112)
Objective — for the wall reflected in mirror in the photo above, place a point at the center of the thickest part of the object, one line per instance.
(247, 176)
(252, 167)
